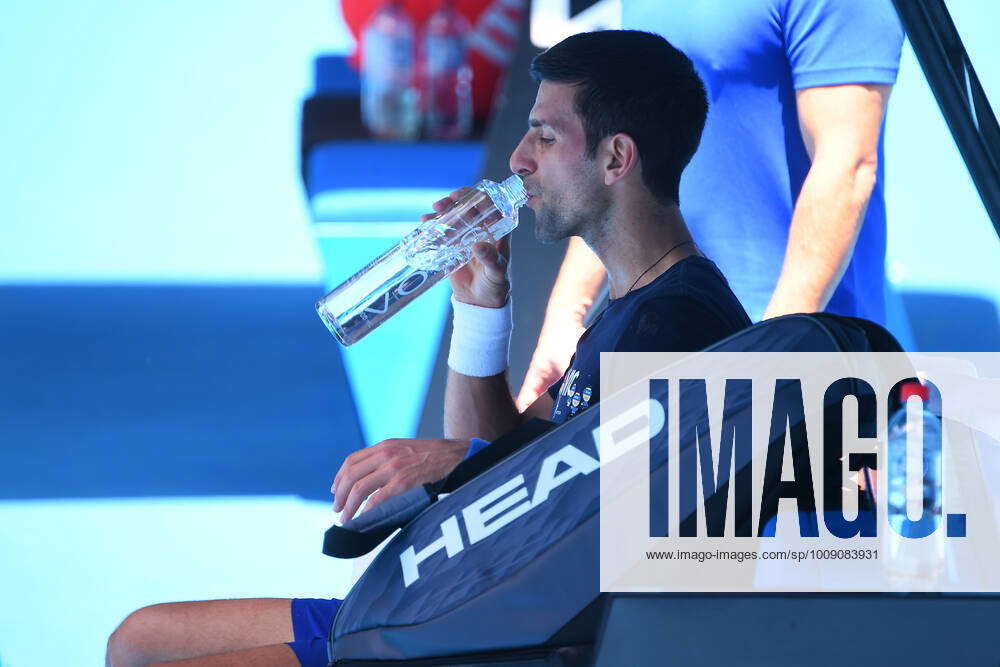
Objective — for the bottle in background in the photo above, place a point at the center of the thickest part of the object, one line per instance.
(915, 550)
(447, 75)
(423, 257)
(390, 102)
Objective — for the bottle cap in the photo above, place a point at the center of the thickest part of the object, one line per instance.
(913, 389)
(514, 187)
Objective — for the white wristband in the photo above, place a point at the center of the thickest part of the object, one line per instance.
(480, 339)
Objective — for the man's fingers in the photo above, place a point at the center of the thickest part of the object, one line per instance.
(536, 381)
(388, 491)
(543, 371)
(361, 490)
(503, 247)
(494, 263)
(345, 486)
(353, 470)
(533, 387)
(352, 459)
(403, 464)
(445, 202)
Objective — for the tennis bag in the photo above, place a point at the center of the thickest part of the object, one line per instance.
(505, 567)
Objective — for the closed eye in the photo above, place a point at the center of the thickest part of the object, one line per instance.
(547, 140)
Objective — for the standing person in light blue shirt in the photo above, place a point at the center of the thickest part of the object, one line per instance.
(785, 192)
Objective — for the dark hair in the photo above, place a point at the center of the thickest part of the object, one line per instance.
(637, 83)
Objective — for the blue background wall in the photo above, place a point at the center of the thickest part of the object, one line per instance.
(157, 140)
(160, 439)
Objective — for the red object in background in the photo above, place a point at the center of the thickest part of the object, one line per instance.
(913, 389)
(494, 36)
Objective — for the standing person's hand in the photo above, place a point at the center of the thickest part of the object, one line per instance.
(556, 345)
(577, 288)
(483, 281)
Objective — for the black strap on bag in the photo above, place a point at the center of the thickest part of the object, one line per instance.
(370, 528)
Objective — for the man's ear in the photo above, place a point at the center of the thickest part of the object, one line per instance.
(621, 156)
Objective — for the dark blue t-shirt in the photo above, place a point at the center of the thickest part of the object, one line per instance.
(687, 308)
(739, 191)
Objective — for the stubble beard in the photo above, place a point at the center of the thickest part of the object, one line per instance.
(556, 221)
(551, 226)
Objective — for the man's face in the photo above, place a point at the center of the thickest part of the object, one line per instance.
(566, 190)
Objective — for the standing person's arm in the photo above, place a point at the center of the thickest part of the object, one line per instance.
(577, 286)
(840, 126)
(843, 56)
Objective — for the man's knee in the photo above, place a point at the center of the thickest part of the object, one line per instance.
(134, 642)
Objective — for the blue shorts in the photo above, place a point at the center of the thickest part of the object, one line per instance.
(311, 622)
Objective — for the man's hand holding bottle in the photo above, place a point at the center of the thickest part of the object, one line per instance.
(484, 280)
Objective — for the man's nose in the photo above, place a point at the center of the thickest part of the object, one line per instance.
(521, 162)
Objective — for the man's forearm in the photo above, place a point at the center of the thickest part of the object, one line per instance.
(824, 229)
(840, 128)
(479, 407)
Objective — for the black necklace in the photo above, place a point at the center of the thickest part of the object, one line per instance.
(655, 263)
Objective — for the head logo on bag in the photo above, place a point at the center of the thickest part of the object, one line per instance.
(497, 508)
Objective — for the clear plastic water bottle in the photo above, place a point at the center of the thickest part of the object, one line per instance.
(447, 75)
(390, 101)
(423, 257)
(914, 559)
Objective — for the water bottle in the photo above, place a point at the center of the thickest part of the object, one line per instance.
(447, 75)
(390, 102)
(416, 263)
(914, 559)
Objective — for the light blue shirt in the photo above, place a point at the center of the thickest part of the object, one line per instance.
(739, 191)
